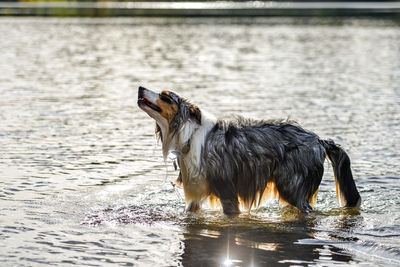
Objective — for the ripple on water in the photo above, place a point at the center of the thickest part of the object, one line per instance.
(83, 181)
(145, 214)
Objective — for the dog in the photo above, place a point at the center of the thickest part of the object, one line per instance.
(242, 161)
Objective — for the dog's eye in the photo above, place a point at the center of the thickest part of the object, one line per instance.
(166, 99)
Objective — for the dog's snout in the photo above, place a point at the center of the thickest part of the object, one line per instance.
(141, 91)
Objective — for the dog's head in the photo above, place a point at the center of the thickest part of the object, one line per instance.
(169, 110)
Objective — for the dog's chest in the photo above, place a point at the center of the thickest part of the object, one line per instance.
(194, 183)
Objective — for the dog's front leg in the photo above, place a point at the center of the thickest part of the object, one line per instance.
(230, 205)
(225, 190)
(193, 206)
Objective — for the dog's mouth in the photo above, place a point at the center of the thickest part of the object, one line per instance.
(142, 101)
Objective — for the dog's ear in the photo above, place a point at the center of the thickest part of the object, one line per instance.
(195, 113)
(158, 132)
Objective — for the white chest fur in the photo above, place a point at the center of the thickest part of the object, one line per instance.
(195, 184)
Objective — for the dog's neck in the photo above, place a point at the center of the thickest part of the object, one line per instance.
(186, 147)
(185, 136)
(188, 141)
(192, 138)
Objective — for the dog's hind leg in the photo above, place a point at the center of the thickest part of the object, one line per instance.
(308, 194)
(298, 178)
(298, 190)
(305, 207)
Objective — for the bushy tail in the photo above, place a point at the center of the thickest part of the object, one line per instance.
(346, 189)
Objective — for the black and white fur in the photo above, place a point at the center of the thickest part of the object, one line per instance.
(240, 161)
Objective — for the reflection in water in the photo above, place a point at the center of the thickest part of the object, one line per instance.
(212, 239)
(253, 243)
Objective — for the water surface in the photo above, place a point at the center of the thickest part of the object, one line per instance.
(82, 176)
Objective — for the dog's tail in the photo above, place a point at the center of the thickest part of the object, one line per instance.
(346, 189)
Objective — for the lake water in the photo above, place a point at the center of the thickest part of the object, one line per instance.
(82, 180)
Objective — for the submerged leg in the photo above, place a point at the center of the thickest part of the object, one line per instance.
(193, 206)
(305, 207)
(230, 206)
(226, 191)
(298, 180)
(299, 191)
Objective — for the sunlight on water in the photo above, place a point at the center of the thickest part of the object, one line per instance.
(83, 179)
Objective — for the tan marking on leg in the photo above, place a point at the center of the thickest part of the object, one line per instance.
(270, 192)
(196, 189)
(314, 199)
(193, 207)
(340, 197)
(214, 202)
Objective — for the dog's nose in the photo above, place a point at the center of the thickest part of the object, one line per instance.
(141, 91)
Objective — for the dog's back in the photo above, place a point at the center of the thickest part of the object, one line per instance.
(242, 157)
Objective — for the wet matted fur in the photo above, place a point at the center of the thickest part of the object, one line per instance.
(241, 161)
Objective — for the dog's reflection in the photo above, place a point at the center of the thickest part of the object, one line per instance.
(247, 245)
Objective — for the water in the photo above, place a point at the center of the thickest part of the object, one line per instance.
(82, 177)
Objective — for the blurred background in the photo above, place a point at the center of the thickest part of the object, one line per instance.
(199, 8)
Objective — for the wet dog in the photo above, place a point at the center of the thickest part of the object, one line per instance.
(242, 161)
